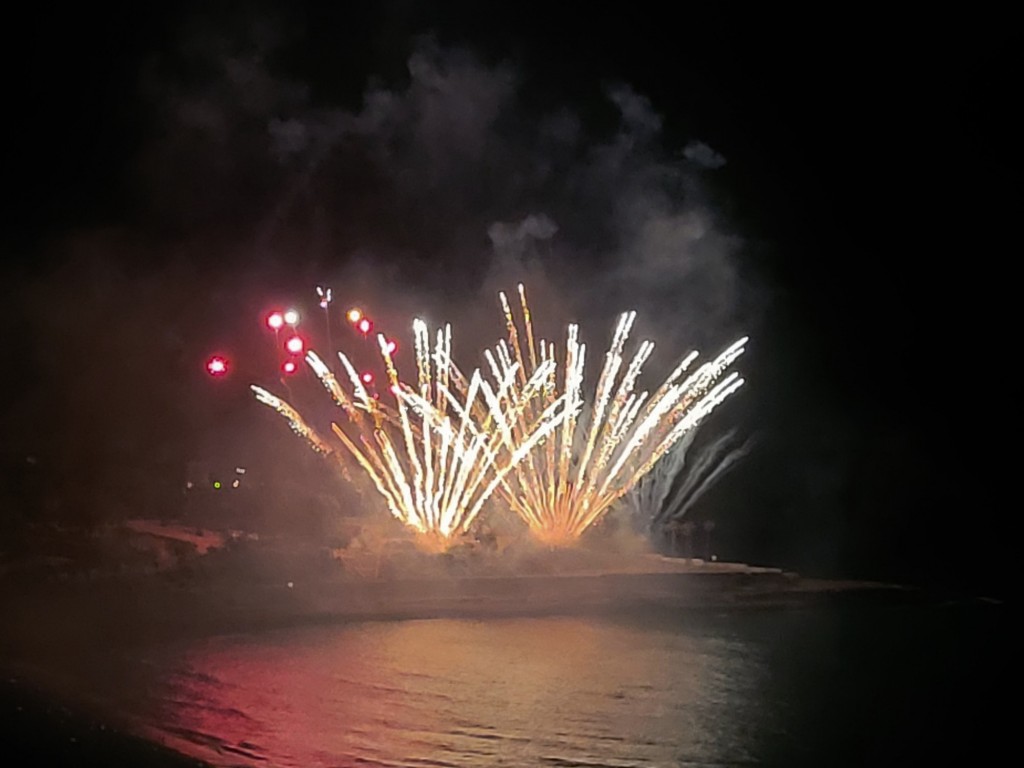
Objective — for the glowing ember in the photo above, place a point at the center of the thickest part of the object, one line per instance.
(325, 296)
(561, 491)
(440, 451)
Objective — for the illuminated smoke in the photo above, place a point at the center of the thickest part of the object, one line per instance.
(668, 492)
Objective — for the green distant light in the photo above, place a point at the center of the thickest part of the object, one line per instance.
(216, 484)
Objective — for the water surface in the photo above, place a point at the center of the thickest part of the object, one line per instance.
(862, 685)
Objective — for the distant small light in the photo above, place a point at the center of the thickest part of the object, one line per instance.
(235, 483)
(367, 377)
(354, 315)
(240, 470)
(289, 366)
(188, 483)
(275, 320)
(294, 345)
(365, 325)
(291, 317)
(291, 584)
(216, 484)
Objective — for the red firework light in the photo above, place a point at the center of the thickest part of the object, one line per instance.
(217, 366)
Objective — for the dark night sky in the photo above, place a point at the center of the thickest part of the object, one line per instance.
(175, 170)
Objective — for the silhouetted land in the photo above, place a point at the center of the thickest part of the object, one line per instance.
(36, 731)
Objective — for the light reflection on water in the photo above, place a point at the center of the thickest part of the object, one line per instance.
(558, 691)
(847, 685)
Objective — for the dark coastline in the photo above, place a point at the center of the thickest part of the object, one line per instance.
(38, 731)
(59, 618)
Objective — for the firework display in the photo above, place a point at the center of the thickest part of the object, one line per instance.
(439, 451)
(595, 456)
(436, 450)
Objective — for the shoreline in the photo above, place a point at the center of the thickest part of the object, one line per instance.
(134, 611)
(44, 728)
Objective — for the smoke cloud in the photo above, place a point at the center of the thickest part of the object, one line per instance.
(448, 183)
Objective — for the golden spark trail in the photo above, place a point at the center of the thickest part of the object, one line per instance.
(438, 453)
(592, 461)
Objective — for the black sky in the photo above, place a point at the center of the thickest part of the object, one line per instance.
(871, 178)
